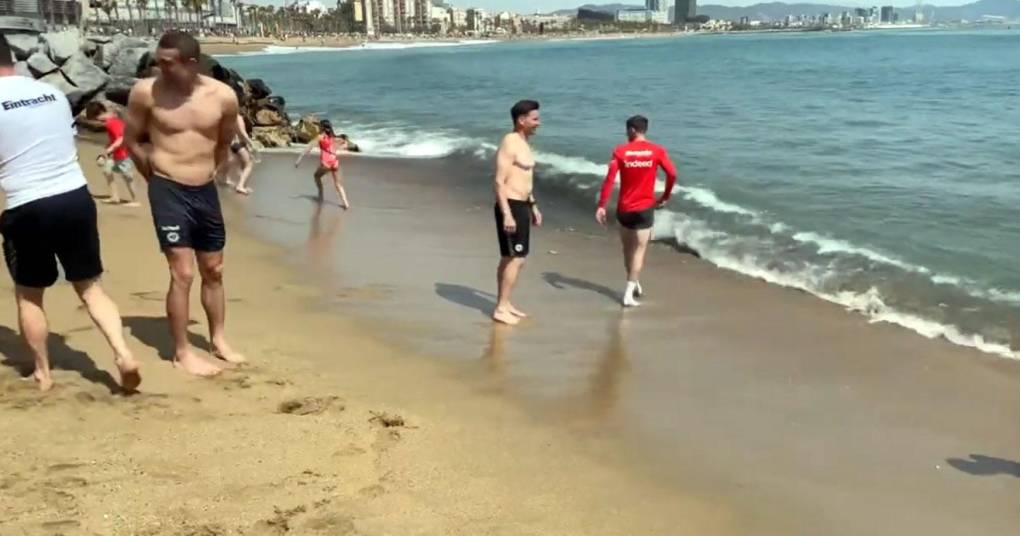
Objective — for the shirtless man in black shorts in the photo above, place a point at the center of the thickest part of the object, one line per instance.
(515, 208)
(179, 128)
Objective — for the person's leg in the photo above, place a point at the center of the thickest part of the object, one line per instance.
(108, 171)
(182, 272)
(210, 266)
(35, 331)
(105, 315)
(635, 245)
(244, 158)
(129, 183)
(338, 184)
(507, 272)
(318, 181)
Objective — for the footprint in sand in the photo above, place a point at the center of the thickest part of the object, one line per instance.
(333, 525)
(310, 405)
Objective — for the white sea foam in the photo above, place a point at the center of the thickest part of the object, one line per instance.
(811, 279)
(709, 200)
(827, 245)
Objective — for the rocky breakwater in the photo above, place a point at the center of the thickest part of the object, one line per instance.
(106, 67)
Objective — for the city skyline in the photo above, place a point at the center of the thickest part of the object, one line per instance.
(544, 6)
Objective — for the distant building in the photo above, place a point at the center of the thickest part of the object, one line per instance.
(685, 10)
(458, 18)
(644, 16)
(887, 14)
(477, 20)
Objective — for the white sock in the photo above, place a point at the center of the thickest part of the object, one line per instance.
(628, 293)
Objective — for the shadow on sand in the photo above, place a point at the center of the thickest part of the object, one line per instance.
(62, 357)
(154, 332)
(979, 465)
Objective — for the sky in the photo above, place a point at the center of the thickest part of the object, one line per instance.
(533, 6)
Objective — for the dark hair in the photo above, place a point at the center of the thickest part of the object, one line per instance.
(639, 123)
(327, 127)
(6, 55)
(523, 107)
(94, 108)
(343, 137)
(186, 45)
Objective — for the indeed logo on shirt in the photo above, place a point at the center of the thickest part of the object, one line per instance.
(42, 99)
(639, 164)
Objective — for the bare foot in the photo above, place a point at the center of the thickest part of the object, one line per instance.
(192, 364)
(505, 317)
(129, 376)
(243, 191)
(133, 204)
(517, 312)
(224, 352)
(44, 380)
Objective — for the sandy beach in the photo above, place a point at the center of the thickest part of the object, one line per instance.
(381, 401)
(329, 429)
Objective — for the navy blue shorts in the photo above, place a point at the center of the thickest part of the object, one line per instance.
(187, 216)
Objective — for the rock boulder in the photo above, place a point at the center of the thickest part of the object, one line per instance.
(268, 117)
(23, 44)
(307, 129)
(128, 61)
(118, 89)
(271, 136)
(84, 75)
(62, 45)
(40, 64)
(74, 95)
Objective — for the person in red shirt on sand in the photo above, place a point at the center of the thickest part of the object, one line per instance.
(637, 162)
(115, 159)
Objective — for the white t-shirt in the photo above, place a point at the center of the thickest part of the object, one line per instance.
(38, 157)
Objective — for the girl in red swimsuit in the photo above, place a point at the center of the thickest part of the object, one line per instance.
(329, 162)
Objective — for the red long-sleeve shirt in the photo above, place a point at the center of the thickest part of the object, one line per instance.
(638, 163)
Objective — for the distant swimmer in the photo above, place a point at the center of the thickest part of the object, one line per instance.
(330, 145)
(180, 125)
(637, 162)
(49, 218)
(115, 159)
(515, 208)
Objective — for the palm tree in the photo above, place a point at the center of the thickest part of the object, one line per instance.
(142, 11)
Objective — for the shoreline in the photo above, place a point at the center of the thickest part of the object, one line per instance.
(293, 440)
(800, 416)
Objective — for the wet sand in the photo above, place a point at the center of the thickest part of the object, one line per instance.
(300, 441)
(797, 416)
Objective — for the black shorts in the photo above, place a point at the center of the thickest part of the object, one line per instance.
(641, 219)
(38, 234)
(518, 243)
(187, 216)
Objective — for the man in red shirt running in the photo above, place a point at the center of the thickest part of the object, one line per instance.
(115, 159)
(637, 162)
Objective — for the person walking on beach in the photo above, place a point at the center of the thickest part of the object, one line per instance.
(49, 217)
(515, 207)
(637, 162)
(243, 150)
(179, 128)
(329, 160)
(115, 159)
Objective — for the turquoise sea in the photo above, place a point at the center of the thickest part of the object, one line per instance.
(879, 170)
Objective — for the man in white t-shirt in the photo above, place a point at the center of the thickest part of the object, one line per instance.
(49, 216)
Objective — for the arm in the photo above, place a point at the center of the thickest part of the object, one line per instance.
(137, 125)
(667, 165)
(228, 126)
(607, 185)
(504, 165)
(607, 189)
(304, 153)
(115, 145)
